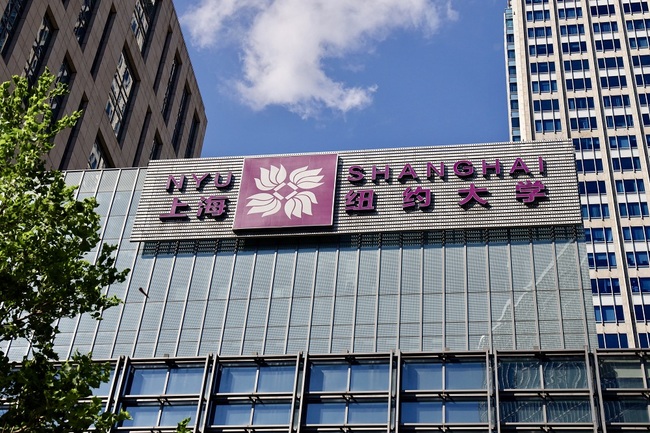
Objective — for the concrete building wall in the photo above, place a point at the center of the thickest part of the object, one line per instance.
(93, 62)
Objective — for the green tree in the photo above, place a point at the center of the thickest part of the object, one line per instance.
(45, 235)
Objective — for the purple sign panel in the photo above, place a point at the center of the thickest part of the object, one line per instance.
(289, 191)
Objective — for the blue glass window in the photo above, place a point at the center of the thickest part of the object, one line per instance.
(233, 414)
(272, 413)
(172, 415)
(237, 379)
(276, 378)
(422, 412)
(465, 375)
(626, 410)
(147, 381)
(334, 377)
(640, 284)
(161, 379)
(328, 377)
(326, 413)
(420, 375)
(465, 411)
(141, 416)
(605, 285)
(361, 412)
(185, 380)
(253, 378)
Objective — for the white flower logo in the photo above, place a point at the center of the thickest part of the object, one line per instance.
(292, 193)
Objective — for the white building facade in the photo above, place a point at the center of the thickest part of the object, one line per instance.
(578, 69)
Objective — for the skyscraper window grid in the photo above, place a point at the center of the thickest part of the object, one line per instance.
(596, 73)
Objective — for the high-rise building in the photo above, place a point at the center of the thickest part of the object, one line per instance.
(580, 69)
(394, 290)
(127, 68)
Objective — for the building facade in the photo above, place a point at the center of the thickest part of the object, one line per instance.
(577, 69)
(424, 289)
(127, 68)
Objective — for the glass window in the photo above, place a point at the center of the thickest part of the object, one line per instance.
(172, 415)
(326, 413)
(621, 373)
(147, 381)
(151, 380)
(626, 410)
(141, 416)
(141, 20)
(83, 19)
(272, 413)
(568, 411)
(519, 374)
(10, 17)
(465, 411)
(328, 377)
(369, 377)
(465, 375)
(361, 412)
(421, 412)
(565, 374)
(237, 379)
(421, 375)
(276, 378)
(37, 53)
(358, 412)
(120, 94)
(521, 411)
(334, 377)
(232, 414)
(185, 380)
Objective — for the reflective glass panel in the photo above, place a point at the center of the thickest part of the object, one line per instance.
(621, 373)
(272, 413)
(422, 412)
(232, 414)
(626, 410)
(277, 378)
(185, 380)
(326, 413)
(141, 416)
(237, 379)
(416, 375)
(465, 375)
(367, 412)
(465, 411)
(328, 377)
(147, 381)
(519, 374)
(172, 415)
(105, 387)
(565, 374)
(568, 411)
(522, 411)
(369, 377)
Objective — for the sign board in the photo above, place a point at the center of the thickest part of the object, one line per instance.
(427, 188)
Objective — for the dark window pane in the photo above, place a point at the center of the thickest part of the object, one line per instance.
(328, 377)
(237, 379)
(465, 375)
(422, 412)
(417, 375)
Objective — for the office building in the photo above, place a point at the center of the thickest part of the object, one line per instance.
(579, 69)
(424, 289)
(127, 68)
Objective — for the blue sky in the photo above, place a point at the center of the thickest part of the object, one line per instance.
(287, 76)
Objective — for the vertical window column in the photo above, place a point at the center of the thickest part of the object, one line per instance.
(120, 93)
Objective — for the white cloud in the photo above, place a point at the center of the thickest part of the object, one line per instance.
(285, 42)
